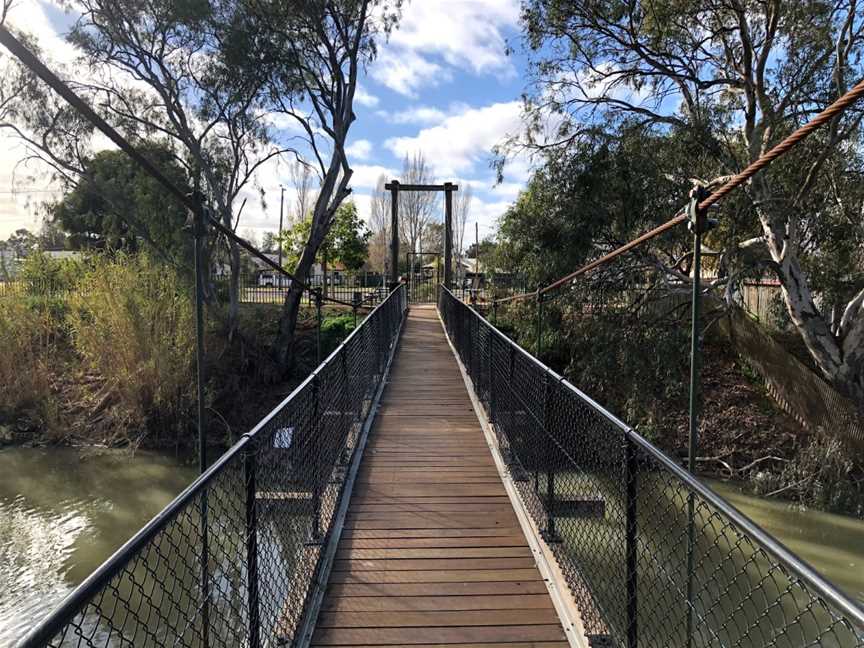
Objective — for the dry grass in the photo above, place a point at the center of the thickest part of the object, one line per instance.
(132, 322)
(27, 340)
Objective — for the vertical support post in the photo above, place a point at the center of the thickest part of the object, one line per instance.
(538, 347)
(281, 211)
(491, 341)
(316, 488)
(198, 235)
(448, 234)
(630, 485)
(495, 313)
(394, 233)
(252, 547)
(318, 301)
(697, 226)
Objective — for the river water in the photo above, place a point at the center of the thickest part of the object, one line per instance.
(833, 544)
(62, 513)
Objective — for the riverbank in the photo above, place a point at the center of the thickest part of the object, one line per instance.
(111, 363)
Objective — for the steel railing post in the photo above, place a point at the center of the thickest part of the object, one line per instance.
(252, 547)
(318, 300)
(698, 224)
(630, 531)
(198, 242)
(538, 345)
(316, 488)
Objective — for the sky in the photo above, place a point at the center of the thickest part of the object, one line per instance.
(443, 85)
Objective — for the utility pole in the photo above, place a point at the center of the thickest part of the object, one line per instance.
(281, 209)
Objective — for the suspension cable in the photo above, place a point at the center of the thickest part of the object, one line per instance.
(796, 137)
(32, 62)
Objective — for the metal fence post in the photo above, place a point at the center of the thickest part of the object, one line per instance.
(538, 347)
(549, 534)
(198, 242)
(316, 489)
(698, 225)
(252, 548)
(630, 479)
(491, 337)
(318, 301)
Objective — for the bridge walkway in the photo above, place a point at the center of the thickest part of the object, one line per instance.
(432, 553)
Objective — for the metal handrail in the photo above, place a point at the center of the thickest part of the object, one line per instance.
(79, 598)
(798, 566)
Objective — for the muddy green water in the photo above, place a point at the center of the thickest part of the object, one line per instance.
(62, 513)
(833, 544)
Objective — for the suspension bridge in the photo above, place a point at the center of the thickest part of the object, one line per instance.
(432, 483)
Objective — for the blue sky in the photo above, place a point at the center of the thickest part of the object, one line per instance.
(442, 85)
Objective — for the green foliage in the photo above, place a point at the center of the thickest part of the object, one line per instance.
(132, 323)
(117, 205)
(334, 329)
(608, 189)
(44, 275)
(347, 241)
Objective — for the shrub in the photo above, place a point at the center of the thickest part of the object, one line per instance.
(334, 329)
(27, 337)
(132, 321)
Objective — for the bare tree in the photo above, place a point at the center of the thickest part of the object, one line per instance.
(461, 209)
(312, 54)
(379, 223)
(302, 177)
(416, 208)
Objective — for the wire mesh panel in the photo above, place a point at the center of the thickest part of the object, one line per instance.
(233, 559)
(651, 556)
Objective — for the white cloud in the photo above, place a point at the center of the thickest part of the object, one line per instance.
(360, 149)
(457, 145)
(422, 115)
(463, 34)
(363, 97)
(366, 175)
(405, 71)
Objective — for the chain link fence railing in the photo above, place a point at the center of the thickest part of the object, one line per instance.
(232, 561)
(651, 556)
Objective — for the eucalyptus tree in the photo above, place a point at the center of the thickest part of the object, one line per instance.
(311, 55)
(158, 73)
(735, 77)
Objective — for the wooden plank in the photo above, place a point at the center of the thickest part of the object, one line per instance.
(486, 589)
(420, 603)
(401, 553)
(509, 644)
(429, 564)
(432, 533)
(437, 576)
(435, 542)
(435, 618)
(419, 635)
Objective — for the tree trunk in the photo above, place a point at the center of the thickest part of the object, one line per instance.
(284, 346)
(234, 290)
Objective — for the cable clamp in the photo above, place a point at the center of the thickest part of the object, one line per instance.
(697, 219)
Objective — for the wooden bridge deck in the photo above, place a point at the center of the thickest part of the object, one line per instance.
(432, 553)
